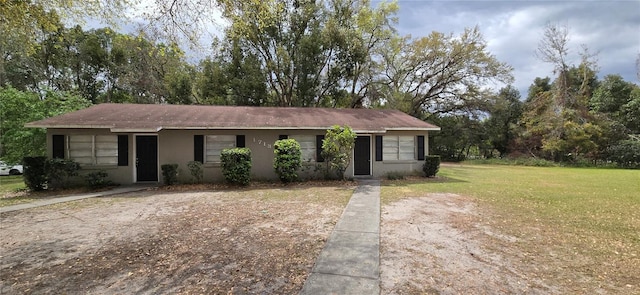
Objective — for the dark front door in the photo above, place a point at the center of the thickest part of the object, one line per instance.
(146, 158)
(362, 156)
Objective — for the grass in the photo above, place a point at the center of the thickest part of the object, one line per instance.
(9, 184)
(589, 219)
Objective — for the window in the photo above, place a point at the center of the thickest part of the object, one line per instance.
(214, 145)
(307, 146)
(398, 148)
(93, 149)
(81, 149)
(106, 147)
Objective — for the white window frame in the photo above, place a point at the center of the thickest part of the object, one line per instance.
(93, 150)
(398, 148)
(307, 147)
(214, 144)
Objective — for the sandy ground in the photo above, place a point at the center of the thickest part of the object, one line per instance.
(162, 242)
(225, 243)
(444, 244)
(435, 245)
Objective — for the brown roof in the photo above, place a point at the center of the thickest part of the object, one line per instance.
(153, 118)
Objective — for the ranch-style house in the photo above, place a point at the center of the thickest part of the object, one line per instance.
(132, 141)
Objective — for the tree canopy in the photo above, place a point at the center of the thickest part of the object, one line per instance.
(337, 53)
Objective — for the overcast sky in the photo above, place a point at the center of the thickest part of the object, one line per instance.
(513, 29)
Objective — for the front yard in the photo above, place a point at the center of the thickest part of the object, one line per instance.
(245, 241)
(476, 229)
(483, 229)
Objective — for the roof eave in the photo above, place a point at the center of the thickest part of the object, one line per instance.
(66, 126)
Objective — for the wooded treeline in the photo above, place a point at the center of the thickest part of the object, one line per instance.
(339, 53)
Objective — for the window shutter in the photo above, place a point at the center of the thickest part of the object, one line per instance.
(58, 146)
(319, 139)
(240, 141)
(123, 150)
(198, 148)
(378, 147)
(280, 137)
(421, 147)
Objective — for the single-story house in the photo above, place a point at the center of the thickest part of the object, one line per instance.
(131, 141)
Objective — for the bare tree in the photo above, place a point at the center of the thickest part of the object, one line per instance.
(553, 48)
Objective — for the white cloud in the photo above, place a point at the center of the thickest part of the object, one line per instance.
(513, 29)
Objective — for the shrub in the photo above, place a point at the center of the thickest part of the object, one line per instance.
(98, 179)
(195, 167)
(169, 173)
(395, 175)
(626, 153)
(35, 175)
(287, 159)
(431, 165)
(236, 165)
(59, 171)
(336, 149)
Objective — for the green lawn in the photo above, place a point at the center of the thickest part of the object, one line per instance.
(10, 184)
(589, 218)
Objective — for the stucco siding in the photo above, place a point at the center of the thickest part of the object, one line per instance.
(177, 147)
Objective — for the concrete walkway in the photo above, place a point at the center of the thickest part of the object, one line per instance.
(56, 200)
(350, 261)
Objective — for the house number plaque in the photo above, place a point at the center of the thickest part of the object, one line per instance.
(262, 142)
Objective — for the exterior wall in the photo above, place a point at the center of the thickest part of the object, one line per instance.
(117, 174)
(177, 147)
(381, 168)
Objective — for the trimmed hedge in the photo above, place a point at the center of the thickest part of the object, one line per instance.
(35, 176)
(59, 171)
(236, 165)
(169, 173)
(288, 159)
(431, 165)
(41, 173)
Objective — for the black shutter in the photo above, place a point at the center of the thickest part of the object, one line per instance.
(420, 147)
(319, 139)
(58, 146)
(280, 137)
(240, 141)
(198, 148)
(378, 147)
(123, 150)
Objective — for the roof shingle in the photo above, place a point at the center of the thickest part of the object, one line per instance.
(153, 118)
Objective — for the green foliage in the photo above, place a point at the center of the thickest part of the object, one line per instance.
(169, 173)
(59, 172)
(98, 179)
(459, 134)
(429, 81)
(196, 170)
(236, 165)
(395, 175)
(626, 153)
(336, 149)
(431, 165)
(287, 159)
(20, 107)
(516, 161)
(309, 53)
(502, 127)
(35, 175)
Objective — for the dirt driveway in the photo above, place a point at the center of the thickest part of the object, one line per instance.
(240, 242)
